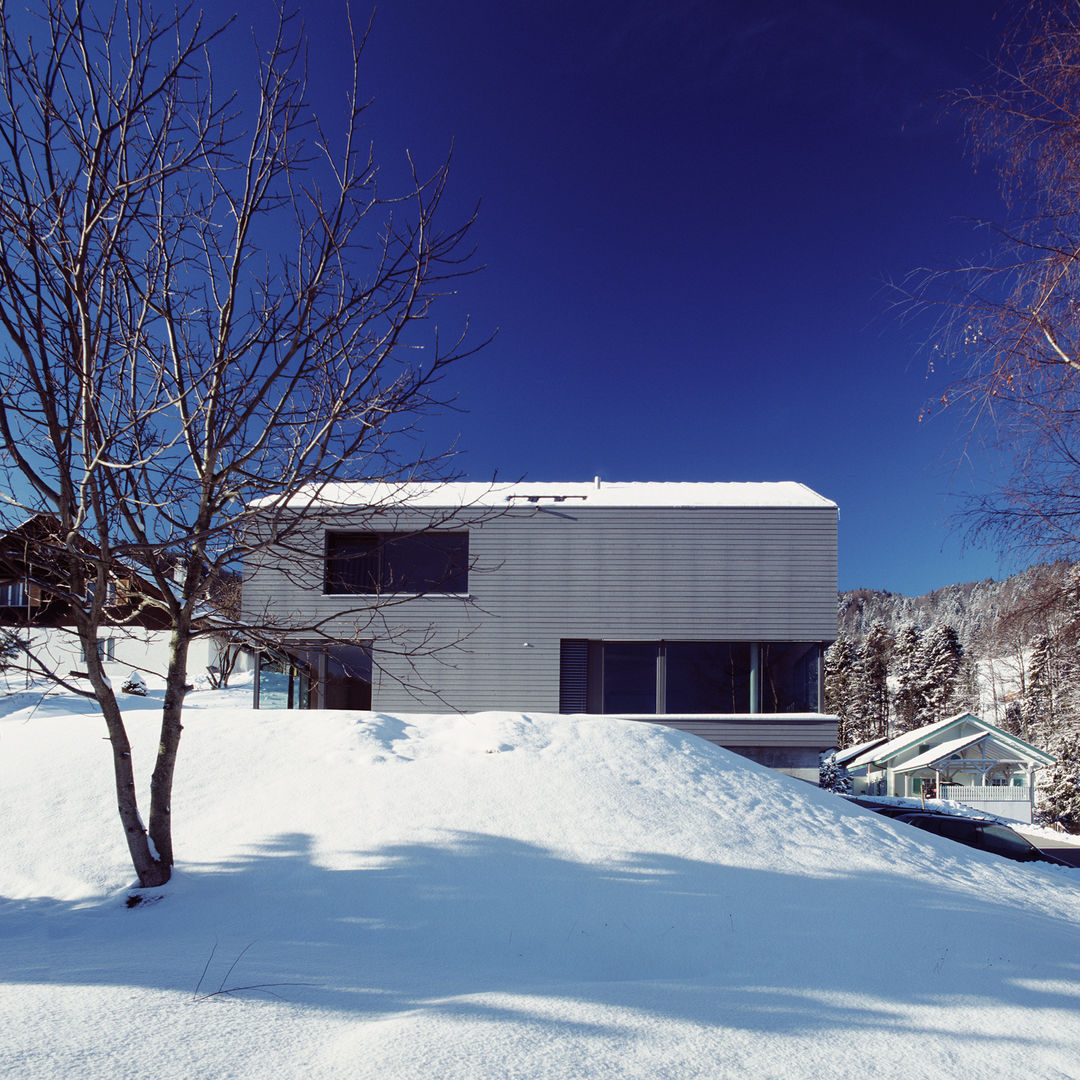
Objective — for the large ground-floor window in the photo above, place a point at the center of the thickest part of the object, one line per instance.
(312, 677)
(689, 677)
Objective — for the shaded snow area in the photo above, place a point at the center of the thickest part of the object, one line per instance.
(503, 896)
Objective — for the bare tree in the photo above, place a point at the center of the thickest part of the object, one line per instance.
(205, 304)
(1013, 321)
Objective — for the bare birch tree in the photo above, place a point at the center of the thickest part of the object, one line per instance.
(204, 304)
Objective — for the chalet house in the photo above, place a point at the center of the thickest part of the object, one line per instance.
(706, 606)
(961, 758)
(36, 607)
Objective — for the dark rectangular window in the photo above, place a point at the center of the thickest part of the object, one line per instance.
(377, 562)
(13, 595)
(708, 677)
(686, 677)
(789, 677)
(630, 674)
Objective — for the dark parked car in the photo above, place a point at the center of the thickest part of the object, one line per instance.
(904, 811)
(889, 809)
(978, 833)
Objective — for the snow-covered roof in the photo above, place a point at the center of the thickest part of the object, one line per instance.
(883, 751)
(996, 749)
(843, 757)
(596, 492)
(942, 751)
(879, 754)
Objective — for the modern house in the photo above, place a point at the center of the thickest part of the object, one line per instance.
(706, 606)
(961, 758)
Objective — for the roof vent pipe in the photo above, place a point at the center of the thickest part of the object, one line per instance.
(596, 481)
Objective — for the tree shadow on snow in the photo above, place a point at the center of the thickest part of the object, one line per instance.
(424, 926)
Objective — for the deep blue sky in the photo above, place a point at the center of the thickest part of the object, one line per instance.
(689, 214)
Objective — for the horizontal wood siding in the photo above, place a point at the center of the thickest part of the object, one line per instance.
(553, 573)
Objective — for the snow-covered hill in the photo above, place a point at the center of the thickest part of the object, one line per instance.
(503, 896)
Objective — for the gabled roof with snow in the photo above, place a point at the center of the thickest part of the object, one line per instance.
(881, 755)
(943, 750)
(846, 756)
(994, 749)
(594, 493)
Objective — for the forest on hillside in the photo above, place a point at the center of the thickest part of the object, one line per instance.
(1008, 651)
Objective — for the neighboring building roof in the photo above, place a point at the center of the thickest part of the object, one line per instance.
(882, 751)
(597, 492)
(845, 756)
(942, 751)
(880, 754)
(994, 749)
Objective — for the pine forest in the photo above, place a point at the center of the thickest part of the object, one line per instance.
(1008, 651)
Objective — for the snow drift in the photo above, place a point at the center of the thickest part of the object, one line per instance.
(496, 895)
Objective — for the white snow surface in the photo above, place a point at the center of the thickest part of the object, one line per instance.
(608, 493)
(502, 895)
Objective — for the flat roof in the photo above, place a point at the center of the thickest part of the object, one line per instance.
(598, 492)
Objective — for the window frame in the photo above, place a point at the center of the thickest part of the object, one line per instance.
(106, 650)
(584, 674)
(376, 562)
(14, 594)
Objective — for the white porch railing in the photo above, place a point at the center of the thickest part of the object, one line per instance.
(1006, 802)
(989, 793)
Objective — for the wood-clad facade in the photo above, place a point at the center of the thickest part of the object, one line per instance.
(718, 597)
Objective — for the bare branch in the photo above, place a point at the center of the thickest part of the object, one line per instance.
(210, 316)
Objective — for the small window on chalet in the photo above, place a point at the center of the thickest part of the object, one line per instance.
(13, 594)
(106, 650)
(369, 563)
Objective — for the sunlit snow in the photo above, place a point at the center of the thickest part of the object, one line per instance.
(501, 895)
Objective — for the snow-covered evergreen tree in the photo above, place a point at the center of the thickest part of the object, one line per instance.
(841, 683)
(1013, 721)
(874, 690)
(1005, 674)
(833, 777)
(1037, 704)
(1057, 792)
(941, 659)
(908, 703)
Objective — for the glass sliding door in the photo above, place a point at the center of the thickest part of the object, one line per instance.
(282, 683)
(346, 683)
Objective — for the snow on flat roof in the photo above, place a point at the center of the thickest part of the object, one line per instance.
(604, 493)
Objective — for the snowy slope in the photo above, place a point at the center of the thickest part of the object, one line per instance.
(503, 896)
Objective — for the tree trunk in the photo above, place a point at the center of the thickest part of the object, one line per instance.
(164, 767)
(151, 871)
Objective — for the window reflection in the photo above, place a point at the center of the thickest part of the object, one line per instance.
(708, 677)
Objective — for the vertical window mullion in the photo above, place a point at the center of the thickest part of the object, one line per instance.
(661, 678)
